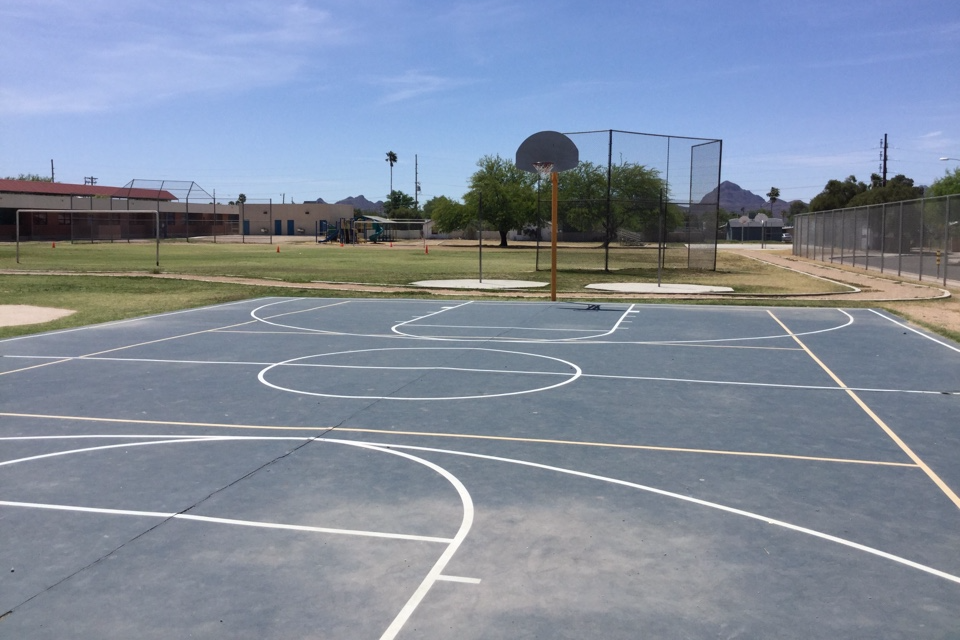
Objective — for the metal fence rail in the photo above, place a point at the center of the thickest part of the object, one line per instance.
(914, 238)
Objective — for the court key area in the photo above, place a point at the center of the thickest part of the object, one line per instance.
(365, 468)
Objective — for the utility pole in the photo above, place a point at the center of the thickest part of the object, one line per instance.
(416, 184)
(51, 170)
(883, 162)
(90, 181)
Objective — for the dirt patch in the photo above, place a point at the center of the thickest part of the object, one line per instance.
(17, 314)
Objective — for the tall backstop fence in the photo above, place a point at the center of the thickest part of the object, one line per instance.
(914, 238)
(639, 192)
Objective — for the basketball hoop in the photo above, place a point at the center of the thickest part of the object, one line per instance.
(544, 169)
(548, 153)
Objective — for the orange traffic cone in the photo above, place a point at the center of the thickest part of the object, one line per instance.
(278, 248)
(426, 249)
(53, 246)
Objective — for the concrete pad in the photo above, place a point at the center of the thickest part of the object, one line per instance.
(17, 314)
(478, 284)
(652, 287)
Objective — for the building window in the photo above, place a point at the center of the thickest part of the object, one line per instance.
(40, 218)
(63, 218)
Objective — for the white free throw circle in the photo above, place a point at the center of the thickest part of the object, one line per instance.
(370, 371)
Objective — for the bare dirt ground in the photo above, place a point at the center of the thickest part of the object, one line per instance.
(925, 303)
(17, 314)
(922, 302)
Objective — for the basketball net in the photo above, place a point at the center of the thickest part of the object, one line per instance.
(544, 169)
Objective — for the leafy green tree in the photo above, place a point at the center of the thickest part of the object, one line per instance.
(583, 192)
(797, 207)
(32, 177)
(635, 193)
(634, 198)
(508, 195)
(837, 194)
(447, 214)
(399, 205)
(947, 185)
(897, 189)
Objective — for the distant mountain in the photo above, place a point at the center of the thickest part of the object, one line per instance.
(359, 202)
(737, 200)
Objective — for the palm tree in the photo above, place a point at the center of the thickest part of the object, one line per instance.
(774, 195)
(392, 159)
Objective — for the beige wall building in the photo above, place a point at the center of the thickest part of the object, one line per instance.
(178, 218)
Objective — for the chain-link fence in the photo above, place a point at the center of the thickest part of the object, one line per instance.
(914, 238)
(186, 209)
(646, 200)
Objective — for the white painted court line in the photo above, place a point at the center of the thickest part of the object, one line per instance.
(228, 521)
(597, 333)
(434, 575)
(493, 328)
(919, 333)
(934, 477)
(459, 579)
(120, 322)
(703, 503)
(599, 376)
(576, 372)
(613, 329)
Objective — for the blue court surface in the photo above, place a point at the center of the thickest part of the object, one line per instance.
(325, 468)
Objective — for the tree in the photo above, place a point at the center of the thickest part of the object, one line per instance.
(242, 198)
(837, 194)
(31, 177)
(447, 215)
(636, 193)
(774, 195)
(398, 205)
(392, 159)
(797, 207)
(897, 189)
(947, 185)
(507, 194)
(634, 198)
(583, 191)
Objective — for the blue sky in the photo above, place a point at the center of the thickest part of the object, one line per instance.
(297, 100)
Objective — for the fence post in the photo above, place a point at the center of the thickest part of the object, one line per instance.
(920, 267)
(900, 244)
(866, 257)
(843, 230)
(856, 234)
(946, 241)
(883, 234)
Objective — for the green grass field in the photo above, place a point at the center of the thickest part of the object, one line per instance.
(62, 276)
(397, 265)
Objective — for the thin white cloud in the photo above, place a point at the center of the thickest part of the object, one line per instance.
(414, 84)
(103, 55)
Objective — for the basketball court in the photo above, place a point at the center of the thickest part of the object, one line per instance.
(364, 468)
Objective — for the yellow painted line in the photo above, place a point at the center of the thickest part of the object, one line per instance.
(217, 425)
(883, 425)
(36, 366)
(427, 434)
(613, 445)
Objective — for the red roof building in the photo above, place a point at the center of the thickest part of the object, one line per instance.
(34, 187)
